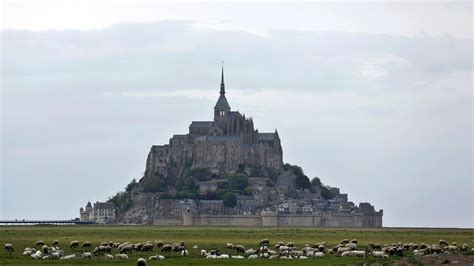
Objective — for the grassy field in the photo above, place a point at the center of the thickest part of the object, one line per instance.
(211, 238)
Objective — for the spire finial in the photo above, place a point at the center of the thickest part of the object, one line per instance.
(222, 80)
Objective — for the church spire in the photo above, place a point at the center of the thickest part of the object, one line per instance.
(222, 80)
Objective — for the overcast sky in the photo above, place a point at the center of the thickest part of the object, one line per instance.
(373, 98)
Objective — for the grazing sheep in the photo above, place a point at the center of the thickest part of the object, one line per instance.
(86, 244)
(159, 243)
(319, 255)
(239, 257)
(250, 251)
(167, 248)
(156, 257)
(253, 256)
(203, 252)
(55, 242)
(443, 242)
(138, 246)
(230, 245)
(302, 257)
(223, 256)
(9, 248)
(147, 247)
(74, 244)
(465, 247)
(86, 255)
(272, 257)
(122, 256)
(36, 256)
(141, 262)
(39, 243)
(195, 247)
(46, 249)
(108, 257)
(379, 254)
(240, 249)
(185, 253)
(290, 244)
(264, 242)
(125, 249)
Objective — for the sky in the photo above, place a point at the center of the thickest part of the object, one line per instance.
(374, 98)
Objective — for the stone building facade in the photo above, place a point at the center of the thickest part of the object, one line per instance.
(101, 212)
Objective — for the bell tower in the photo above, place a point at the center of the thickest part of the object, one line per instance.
(222, 108)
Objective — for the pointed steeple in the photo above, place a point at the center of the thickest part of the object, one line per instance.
(222, 80)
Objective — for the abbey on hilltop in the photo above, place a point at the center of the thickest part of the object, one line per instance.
(225, 172)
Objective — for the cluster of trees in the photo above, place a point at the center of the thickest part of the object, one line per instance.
(302, 181)
(123, 199)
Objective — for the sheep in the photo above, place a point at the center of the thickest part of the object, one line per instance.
(125, 249)
(74, 244)
(185, 253)
(319, 255)
(264, 242)
(465, 247)
(55, 242)
(9, 248)
(86, 244)
(86, 255)
(302, 257)
(27, 253)
(122, 256)
(108, 257)
(45, 249)
(379, 254)
(166, 248)
(210, 256)
(56, 255)
(223, 256)
(36, 256)
(230, 245)
(141, 262)
(138, 246)
(253, 256)
(239, 257)
(452, 248)
(68, 257)
(250, 251)
(39, 243)
(195, 247)
(159, 243)
(443, 242)
(203, 252)
(147, 247)
(239, 249)
(290, 244)
(344, 241)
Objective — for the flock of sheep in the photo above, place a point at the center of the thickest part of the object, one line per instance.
(281, 250)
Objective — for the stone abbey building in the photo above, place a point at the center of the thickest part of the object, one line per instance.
(221, 145)
(225, 172)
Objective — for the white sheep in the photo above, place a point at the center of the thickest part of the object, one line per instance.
(36, 256)
(122, 256)
(86, 255)
(223, 256)
(108, 257)
(302, 257)
(253, 256)
(68, 257)
(319, 255)
(272, 257)
(379, 254)
(237, 257)
(195, 247)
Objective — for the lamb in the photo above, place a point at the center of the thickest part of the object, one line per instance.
(223, 256)
(122, 256)
(141, 262)
(74, 244)
(109, 257)
(9, 248)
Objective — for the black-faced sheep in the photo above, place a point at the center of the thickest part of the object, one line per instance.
(9, 248)
(74, 244)
(141, 262)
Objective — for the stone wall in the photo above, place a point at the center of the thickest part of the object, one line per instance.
(275, 219)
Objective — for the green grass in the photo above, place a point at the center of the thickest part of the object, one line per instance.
(210, 238)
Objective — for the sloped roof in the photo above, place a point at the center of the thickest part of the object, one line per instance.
(201, 124)
(222, 103)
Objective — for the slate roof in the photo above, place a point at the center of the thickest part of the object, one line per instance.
(201, 124)
(222, 103)
(104, 205)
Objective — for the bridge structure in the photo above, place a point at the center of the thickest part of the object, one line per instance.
(35, 222)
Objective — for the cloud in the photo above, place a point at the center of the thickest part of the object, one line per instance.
(380, 67)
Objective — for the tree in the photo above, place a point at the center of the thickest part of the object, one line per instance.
(316, 182)
(230, 200)
(131, 185)
(326, 193)
(237, 182)
(302, 182)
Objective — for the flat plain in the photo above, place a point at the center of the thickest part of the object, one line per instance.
(216, 238)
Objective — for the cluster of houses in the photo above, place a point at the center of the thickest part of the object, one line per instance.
(101, 212)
